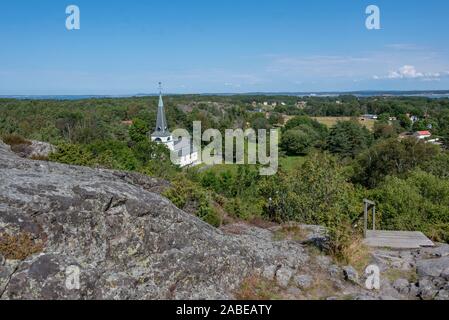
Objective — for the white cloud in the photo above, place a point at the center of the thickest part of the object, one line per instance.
(410, 72)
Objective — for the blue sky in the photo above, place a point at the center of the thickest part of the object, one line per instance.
(198, 46)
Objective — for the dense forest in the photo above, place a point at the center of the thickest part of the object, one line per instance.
(325, 172)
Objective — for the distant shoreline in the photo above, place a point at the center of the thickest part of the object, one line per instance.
(435, 94)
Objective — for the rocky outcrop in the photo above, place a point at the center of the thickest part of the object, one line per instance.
(69, 232)
(416, 274)
(33, 149)
(126, 241)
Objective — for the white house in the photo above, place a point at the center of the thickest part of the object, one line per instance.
(184, 150)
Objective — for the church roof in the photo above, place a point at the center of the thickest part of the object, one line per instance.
(161, 129)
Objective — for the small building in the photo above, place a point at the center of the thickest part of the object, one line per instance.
(421, 135)
(184, 150)
(414, 119)
(370, 117)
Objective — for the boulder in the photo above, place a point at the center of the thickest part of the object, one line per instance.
(351, 274)
(41, 149)
(445, 274)
(427, 290)
(283, 276)
(402, 286)
(303, 281)
(335, 271)
(442, 295)
(432, 267)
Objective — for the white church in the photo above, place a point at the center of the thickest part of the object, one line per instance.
(184, 150)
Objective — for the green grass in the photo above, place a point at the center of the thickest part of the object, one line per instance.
(331, 121)
(290, 163)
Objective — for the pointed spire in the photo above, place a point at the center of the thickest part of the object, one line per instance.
(161, 102)
(161, 122)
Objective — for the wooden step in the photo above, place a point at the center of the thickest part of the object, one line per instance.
(397, 239)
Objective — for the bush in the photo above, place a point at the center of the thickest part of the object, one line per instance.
(419, 202)
(316, 193)
(14, 140)
(191, 198)
(72, 154)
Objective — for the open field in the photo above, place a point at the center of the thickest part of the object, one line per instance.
(331, 121)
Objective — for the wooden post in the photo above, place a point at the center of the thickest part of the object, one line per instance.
(368, 205)
(365, 226)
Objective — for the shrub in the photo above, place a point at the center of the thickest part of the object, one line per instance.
(316, 193)
(419, 202)
(190, 197)
(72, 154)
(14, 140)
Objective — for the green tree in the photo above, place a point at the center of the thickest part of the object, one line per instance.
(138, 131)
(391, 157)
(348, 138)
(419, 202)
(299, 141)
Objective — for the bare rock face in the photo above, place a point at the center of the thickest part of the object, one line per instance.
(34, 149)
(118, 238)
(41, 149)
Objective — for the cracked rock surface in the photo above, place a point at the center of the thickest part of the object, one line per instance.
(127, 241)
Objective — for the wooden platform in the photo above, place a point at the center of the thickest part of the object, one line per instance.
(397, 240)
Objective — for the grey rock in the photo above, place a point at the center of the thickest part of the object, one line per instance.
(432, 267)
(351, 274)
(441, 250)
(323, 261)
(427, 291)
(414, 291)
(445, 274)
(402, 286)
(283, 276)
(335, 271)
(303, 281)
(295, 292)
(127, 241)
(2, 260)
(442, 295)
(269, 272)
(41, 149)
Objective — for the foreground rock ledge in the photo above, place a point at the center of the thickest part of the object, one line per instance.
(128, 242)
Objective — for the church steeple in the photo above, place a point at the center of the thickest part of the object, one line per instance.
(161, 129)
